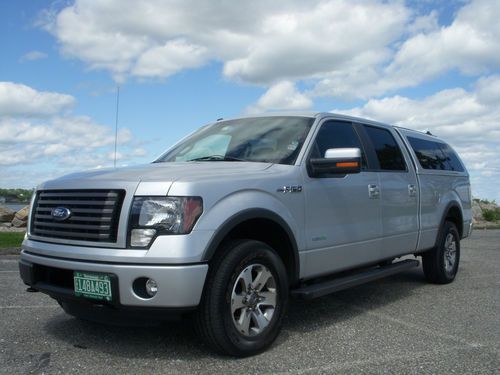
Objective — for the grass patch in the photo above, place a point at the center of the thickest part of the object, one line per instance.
(11, 239)
(491, 215)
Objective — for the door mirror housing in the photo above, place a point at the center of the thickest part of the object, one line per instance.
(337, 161)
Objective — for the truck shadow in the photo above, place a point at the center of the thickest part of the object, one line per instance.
(307, 316)
(178, 341)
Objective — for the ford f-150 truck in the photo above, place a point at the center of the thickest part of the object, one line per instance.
(243, 214)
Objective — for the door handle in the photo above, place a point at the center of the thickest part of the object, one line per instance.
(373, 191)
(412, 190)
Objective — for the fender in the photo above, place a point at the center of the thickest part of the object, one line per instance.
(449, 206)
(253, 213)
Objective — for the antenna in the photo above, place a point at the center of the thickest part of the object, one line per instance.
(116, 121)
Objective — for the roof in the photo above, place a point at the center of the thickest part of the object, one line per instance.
(333, 115)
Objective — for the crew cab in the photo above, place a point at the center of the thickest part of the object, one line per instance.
(244, 214)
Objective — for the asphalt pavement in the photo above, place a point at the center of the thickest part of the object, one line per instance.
(398, 325)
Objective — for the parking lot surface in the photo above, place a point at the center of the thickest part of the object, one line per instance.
(399, 325)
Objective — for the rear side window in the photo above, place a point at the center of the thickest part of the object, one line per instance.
(435, 155)
(388, 152)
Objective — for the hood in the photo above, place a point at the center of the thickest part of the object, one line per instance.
(157, 172)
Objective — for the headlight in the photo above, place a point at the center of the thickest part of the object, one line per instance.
(153, 216)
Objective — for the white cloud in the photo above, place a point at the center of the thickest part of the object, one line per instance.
(488, 90)
(281, 96)
(45, 136)
(259, 42)
(25, 141)
(424, 24)
(468, 120)
(33, 55)
(168, 59)
(325, 38)
(21, 100)
(346, 49)
(72, 132)
(342, 49)
(139, 152)
(470, 44)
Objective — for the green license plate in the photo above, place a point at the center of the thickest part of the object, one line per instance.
(92, 285)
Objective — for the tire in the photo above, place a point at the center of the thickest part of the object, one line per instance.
(230, 319)
(440, 264)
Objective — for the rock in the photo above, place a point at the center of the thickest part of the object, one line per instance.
(488, 206)
(20, 219)
(4, 229)
(6, 214)
(477, 211)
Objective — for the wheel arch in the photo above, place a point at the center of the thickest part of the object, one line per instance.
(263, 225)
(453, 213)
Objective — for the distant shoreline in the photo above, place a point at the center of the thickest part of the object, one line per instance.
(14, 206)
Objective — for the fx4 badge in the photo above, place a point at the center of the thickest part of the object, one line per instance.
(290, 189)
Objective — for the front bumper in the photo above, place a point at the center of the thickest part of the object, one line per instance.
(471, 228)
(179, 286)
(468, 228)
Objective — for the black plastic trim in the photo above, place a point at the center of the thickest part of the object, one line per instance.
(330, 286)
(252, 213)
(31, 275)
(102, 202)
(326, 167)
(449, 206)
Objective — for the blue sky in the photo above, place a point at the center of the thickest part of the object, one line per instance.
(180, 64)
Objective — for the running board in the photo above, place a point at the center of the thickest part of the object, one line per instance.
(345, 282)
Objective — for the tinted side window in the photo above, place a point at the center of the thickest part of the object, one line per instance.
(336, 134)
(453, 160)
(435, 155)
(388, 152)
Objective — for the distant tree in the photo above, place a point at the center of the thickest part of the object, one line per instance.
(20, 195)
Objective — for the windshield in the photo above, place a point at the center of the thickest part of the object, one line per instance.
(259, 139)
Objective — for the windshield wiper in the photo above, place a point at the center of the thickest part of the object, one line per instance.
(216, 158)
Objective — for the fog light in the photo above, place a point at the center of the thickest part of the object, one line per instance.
(151, 287)
(141, 237)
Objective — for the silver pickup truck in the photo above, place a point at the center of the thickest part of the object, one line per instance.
(243, 214)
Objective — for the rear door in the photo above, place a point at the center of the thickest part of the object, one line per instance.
(398, 189)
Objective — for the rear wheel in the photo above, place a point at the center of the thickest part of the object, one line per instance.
(441, 263)
(244, 301)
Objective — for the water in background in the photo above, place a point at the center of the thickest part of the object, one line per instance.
(13, 206)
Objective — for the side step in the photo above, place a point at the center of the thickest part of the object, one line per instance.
(326, 287)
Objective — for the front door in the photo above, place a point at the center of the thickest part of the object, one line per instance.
(343, 227)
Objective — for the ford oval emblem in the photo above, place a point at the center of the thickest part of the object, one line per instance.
(61, 213)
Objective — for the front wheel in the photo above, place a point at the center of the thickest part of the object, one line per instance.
(245, 298)
(441, 263)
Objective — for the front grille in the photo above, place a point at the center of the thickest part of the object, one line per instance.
(94, 214)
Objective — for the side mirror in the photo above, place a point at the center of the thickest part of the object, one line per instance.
(336, 161)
